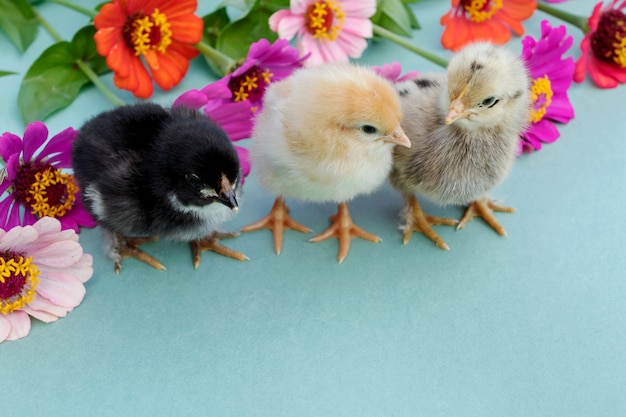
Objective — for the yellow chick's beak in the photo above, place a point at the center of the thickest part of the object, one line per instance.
(456, 110)
(398, 137)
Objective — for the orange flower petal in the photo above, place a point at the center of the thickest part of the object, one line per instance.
(138, 81)
(110, 15)
(188, 30)
(519, 9)
(120, 59)
(456, 34)
(516, 25)
(106, 39)
(176, 8)
(172, 67)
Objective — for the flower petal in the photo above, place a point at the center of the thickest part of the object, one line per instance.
(20, 325)
(10, 144)
(5, 328)
(61, 289)
(35, 135)
(18, 238)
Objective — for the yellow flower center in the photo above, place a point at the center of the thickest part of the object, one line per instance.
(18, 280)
(619, 53)
(481, 10)
(147, 32)
(608, 41)
(541, 98)
(53, 193)
(324, 19)
(251, 84)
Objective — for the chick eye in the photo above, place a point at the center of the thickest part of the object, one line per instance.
(369, 129)
(489, 102)
(195, 181)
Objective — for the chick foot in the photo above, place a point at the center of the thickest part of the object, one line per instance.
(212, 243)
(344, 229)
(277, 219)
(126, 247)
(416, 220)
(484, 208)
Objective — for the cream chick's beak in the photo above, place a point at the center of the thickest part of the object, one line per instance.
(398, 137)
(457, 110)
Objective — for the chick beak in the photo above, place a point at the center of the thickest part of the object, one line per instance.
(227, 195)
(456, 110)
(398, 137)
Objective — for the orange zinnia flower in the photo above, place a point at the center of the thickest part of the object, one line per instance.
(161, 31)
(484, 20)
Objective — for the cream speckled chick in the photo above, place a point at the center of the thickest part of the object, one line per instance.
(464, 127)
(326, 133)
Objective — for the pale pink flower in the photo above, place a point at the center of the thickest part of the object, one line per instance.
(393, 72)
(331, 30)
(42, 271)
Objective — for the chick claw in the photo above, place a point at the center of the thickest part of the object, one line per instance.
(212, 243)
(344, 229)
(417, 220)
(277, 219)
(127, 248)
(484, 208)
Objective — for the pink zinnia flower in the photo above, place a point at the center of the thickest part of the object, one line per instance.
(604, 46)
(331, 30)
(551, 78)
(34, 179)
(42, 271)
(392, 72)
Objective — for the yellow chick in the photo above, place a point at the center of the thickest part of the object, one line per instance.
(464, 128)
(325, 134)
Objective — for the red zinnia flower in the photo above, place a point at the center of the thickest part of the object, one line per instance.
(604, 46)
(161, 31)
(484, 20)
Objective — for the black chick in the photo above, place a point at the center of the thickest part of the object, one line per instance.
(149, 173)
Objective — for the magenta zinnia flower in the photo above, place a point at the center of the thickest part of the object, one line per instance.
(34, 179)
(551, 77)
(331, 30)
(42, 271)
(392, 72)
(604, 46)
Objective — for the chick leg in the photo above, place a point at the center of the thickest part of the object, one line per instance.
(484, 208)
(344, 229)
(125, 247)
(416, 220)
(212, 243)
(277, 219)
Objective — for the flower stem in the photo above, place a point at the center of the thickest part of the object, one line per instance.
(579, 21)
(384, 33)
(75, 7)
(223, 62)
(93, 77)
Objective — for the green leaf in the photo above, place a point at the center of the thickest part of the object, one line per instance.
(83, 47)
(51, 83)
(3, 73)
(19, 22)
(394, 16)
(414, 23)
(213, 25)
(236, 38)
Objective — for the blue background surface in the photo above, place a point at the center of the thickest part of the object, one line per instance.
(533, 324)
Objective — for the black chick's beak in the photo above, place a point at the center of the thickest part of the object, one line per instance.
(227, 195)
